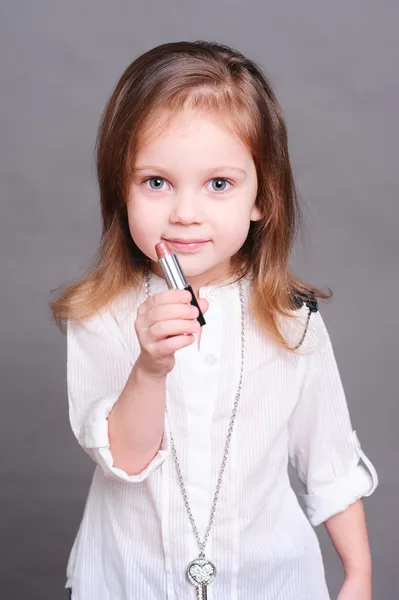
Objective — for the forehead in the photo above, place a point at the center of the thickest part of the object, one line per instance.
(191, 133)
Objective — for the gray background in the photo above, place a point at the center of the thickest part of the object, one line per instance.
(334, 67)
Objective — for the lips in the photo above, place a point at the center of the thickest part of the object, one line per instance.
(189, 241)
(187, 246)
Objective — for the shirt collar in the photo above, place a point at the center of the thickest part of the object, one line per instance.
(158, 284)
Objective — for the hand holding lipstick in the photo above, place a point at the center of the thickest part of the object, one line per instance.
(161, 324)
(167, 321)
(174, 275)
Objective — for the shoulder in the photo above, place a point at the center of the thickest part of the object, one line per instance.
(308, 298)
(304, 329)
(118, 309)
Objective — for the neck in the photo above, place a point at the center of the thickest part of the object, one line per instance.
(214, 276)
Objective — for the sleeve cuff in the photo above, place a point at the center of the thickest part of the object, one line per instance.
(361, 480)
(95, 440)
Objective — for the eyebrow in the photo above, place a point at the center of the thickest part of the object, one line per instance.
(218, 168)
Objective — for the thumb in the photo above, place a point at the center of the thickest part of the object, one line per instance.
(203, 304)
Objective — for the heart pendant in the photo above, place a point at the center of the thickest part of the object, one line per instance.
(201, 571)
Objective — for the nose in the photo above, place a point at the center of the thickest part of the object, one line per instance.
(186, 209)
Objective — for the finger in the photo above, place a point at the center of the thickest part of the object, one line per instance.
(164, 329)
(172, 344)
(170, 297)
(167, 312)
(203, 303)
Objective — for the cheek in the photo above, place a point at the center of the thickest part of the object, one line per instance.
(233, 232)
(232, 219)
(139, 213)
(141, 225)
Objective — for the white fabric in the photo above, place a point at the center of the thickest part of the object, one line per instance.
(135, 539)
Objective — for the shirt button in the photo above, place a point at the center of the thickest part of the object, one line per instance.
(210, 359)
(211, 293)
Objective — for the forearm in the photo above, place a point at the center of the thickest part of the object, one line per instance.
(136, 422)
(348, 533)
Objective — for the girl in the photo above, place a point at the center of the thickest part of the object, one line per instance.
(192, 428)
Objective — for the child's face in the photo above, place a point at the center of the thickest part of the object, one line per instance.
(194, 181)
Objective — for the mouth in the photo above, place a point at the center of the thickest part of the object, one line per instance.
(187, 245)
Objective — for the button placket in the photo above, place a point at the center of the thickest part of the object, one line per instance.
(210, 359)
(200, 386)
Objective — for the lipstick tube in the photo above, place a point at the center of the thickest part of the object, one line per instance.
(174, 275)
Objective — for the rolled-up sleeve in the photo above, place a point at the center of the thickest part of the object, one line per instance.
(323, 447)
(97, 370)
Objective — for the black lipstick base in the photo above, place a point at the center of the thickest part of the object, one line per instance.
(194, 302)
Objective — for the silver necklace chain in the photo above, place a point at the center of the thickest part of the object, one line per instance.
(202, 544)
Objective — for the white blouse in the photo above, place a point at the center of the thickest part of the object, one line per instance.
(135, 539)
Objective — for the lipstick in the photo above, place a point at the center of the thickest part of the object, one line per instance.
(174, 275)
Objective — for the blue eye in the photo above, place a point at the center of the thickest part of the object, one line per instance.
(220, 184)
(155, 183)
(158, 182)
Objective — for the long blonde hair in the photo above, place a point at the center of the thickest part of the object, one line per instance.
(211, 77)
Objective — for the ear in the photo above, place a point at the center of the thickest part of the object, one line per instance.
(256, 215)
